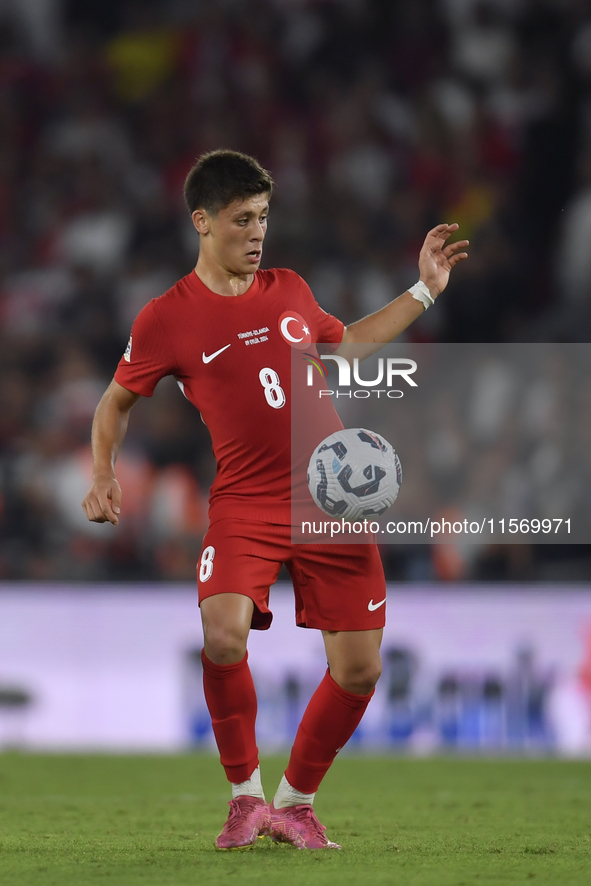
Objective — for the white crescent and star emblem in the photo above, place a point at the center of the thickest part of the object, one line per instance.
(284, 329)
(295, 330)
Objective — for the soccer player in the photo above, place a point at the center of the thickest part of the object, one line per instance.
(225, 332)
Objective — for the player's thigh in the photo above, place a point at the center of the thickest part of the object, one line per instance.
(354, 658)
(339, 587)
(238, 558)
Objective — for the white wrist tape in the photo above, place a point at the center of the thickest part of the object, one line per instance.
(421, 292)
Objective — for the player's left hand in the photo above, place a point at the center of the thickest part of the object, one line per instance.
(436, 259)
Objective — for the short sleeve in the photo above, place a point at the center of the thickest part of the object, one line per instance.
(326, 328)
(148, 356)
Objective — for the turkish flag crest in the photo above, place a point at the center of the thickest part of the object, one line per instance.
(294, 330)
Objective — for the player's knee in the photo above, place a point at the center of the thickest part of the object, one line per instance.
(224, 645)
(359, 680)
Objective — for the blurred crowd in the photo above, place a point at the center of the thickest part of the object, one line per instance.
(377, 119)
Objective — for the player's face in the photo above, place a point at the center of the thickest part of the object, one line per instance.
(235, 235)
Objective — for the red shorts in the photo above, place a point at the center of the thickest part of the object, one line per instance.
(337, 587)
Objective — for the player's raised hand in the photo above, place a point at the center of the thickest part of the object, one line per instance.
(436, 259)
(103, 501)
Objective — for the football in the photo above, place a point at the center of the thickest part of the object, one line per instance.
(354, 474)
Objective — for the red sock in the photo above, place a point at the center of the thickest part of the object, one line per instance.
(329, 721)
(232, 703)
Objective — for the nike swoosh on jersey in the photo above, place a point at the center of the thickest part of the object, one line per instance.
(373, 606)
(216, 354)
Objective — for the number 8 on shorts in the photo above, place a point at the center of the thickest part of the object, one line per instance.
(206, 563)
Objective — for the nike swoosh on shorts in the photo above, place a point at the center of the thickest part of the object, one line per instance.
(211, 356)
(373, 606)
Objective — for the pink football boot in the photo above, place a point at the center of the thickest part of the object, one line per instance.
(249, 817)
(299, 826)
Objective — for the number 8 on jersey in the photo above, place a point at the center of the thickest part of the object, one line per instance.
(274, 393)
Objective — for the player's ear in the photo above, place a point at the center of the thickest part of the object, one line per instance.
(201, 221)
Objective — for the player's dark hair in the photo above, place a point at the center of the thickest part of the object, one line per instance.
(219, 177)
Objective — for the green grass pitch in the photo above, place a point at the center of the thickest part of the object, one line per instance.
(151, 820)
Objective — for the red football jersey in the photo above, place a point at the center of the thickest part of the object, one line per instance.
(231, 356)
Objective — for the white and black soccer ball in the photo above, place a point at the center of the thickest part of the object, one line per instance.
(354, 474)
